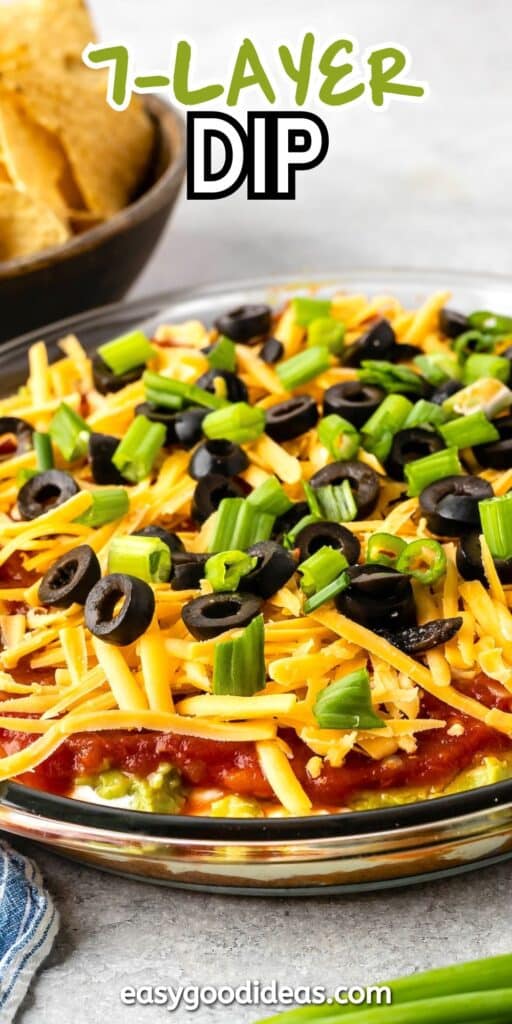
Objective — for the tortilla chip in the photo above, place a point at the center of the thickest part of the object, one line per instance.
(108, 152)
(34, 158)
(53, 29)
(26, 225)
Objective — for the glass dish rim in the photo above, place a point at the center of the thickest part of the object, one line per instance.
(346, 824)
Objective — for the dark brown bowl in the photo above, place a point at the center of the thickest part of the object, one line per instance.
(100, 265)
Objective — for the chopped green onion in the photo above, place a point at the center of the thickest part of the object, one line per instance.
(423, 559)
(239, 422)
(173, 394)
(300, 369)
(425, 414)
(422, 472)
(493, 323)
(135, 454)
(43, 449)
(333, 502)
(320, 569)
(239, 664)
(270, 497)
(108, 504)
(327, 593)
(384, 423)
(379, 445)
(329, 332)
(226, 569)
(473, 341)
(126, 352)
(481, 365)
(438, 367)
(339, 437)
(290, 538)
(305, 310)
(222, 355)
(347, 704)
(69, 432)
(238, 525)
(496, 519)
(391, 414)
(394, 379)
(384, 549)
(148, 558)
(488, 395)
(467, 431)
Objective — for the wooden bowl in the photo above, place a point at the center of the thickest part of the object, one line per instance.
(100, 265)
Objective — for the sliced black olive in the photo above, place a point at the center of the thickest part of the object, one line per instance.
(187, 570)
(173, 542)
(222, 457)
(290, 518)
(362, 479)
(105, 380)
(330, 535)
(209, 493)
(460, 509)
(275, 567)
(444, 391)
(69, 580)
(409, 445)
(15, 437)
(441, 513)
(378, 597)
(209, 616)
(236, 390)
(183, 428)
(403, 353)
(376, 343)
(124, 625)
(353, 401)
(470, 564)
(453, 323)
(245, 323)
(188, 426)
(101, 450)
(272, 351)
(418, 639)
(45, 491)
(292, 418)
(497, 454)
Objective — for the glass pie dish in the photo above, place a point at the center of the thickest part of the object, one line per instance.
(324, 852)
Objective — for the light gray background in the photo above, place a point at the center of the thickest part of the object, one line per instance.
(421, 185)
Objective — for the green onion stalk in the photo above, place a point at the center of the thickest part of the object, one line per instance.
(477, 992)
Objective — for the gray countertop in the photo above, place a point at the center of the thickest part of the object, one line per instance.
(418, 185)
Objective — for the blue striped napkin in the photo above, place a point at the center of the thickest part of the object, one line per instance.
(28, 925)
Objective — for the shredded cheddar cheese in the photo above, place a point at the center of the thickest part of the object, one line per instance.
(163, 682)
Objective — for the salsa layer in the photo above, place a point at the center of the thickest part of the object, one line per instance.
(441, 755)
